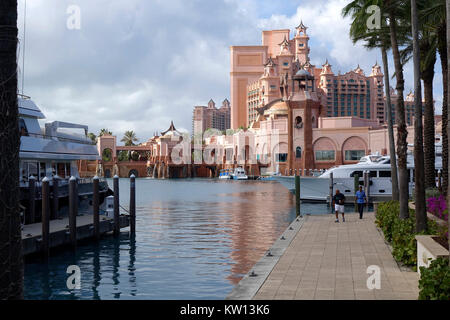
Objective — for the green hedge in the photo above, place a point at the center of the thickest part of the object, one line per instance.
(401, 233)
(434, 283)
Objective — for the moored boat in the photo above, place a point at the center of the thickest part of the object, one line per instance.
(378, 167)
(52, 152)
(239, 174)
(224, 174)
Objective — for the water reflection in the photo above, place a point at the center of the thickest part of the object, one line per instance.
(195, 240)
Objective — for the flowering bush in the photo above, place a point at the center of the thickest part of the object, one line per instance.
(438, 207)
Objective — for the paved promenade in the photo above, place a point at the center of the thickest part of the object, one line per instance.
(327, 260)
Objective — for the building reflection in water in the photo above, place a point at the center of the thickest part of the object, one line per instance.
(195, 240)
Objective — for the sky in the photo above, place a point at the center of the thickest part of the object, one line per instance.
(139, 64)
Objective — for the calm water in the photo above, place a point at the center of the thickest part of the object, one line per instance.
(195, 239)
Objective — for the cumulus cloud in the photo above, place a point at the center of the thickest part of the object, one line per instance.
(137, 65)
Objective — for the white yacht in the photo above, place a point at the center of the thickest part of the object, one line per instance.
(239, 174)
(53, 151)
(380, 184)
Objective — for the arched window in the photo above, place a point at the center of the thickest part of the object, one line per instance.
(298, 152)
(107, 155)
(298, 122)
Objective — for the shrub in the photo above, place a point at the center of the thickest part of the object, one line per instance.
(434, 283)
(432, 193)
(401, 233)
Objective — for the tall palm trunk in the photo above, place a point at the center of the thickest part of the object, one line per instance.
(419, 188)
(402, 133)
(442, 49)
(394, 176)
(429, 133)
(11, 265)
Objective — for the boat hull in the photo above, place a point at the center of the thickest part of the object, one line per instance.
(318, 189)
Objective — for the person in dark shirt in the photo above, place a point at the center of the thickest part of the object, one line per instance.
(338, 202)
(360, 200)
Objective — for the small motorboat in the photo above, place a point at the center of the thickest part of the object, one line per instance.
(239, 174)
(224, 174)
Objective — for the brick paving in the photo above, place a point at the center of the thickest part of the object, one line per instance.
(328, 261)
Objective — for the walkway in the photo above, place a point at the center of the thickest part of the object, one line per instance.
(327, 260)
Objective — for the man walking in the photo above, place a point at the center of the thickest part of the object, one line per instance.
(338, 202)
(360, 200)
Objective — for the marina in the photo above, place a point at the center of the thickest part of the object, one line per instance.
(195, 239)
(317, 176)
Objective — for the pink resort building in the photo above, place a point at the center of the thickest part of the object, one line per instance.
(285, 114)
(289, 114)
(210, 117)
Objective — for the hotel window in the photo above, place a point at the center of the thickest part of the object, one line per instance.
(324, 155)
(354, 155)
(286, 64)
(281, 157)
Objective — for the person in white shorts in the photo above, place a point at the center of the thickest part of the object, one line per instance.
(338, 202)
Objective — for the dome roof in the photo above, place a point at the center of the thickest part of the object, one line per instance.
(303, 73)
(279, 107)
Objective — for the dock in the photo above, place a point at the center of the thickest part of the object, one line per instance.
(59, 234)
(324, 260)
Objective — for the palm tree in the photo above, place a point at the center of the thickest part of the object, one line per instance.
(104, 132)
(375, 39)
(419, 187)
(394, 9)
(11, 266)
(129, 138)
(93, 137)
(434, 15)
(427, 62)
(427, 45)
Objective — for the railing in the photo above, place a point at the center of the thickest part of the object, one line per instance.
(63, 181)
(43, 136)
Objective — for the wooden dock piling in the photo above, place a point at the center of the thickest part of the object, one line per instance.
(116, 206)
(132, 204)
(45, 217)
(439, 180)
(331, 192)
(32, 200)
(356, 187)
(95, 207)
(297, 195)
(55, 198)
(73, 210)
(367, 185)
